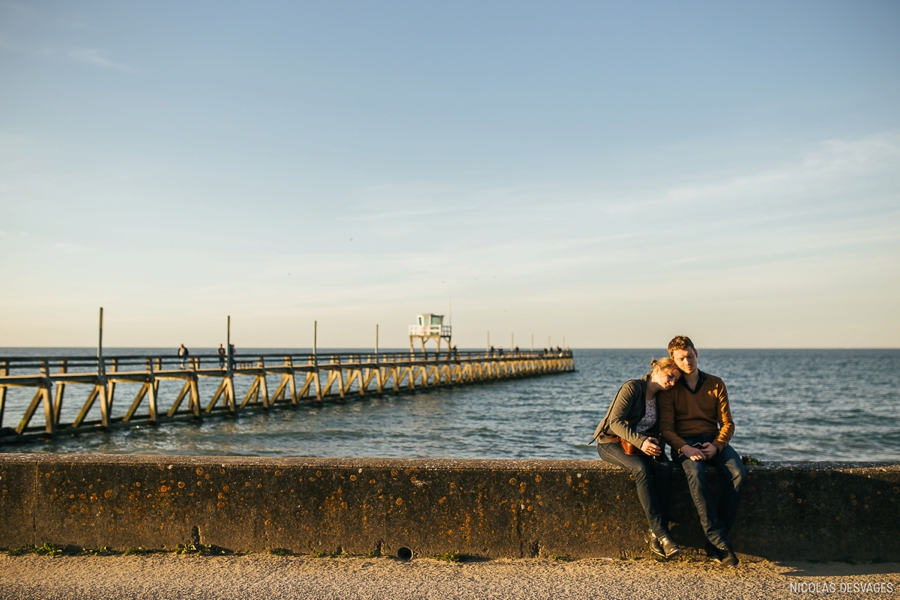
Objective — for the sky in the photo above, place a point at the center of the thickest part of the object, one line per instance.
(608, 173)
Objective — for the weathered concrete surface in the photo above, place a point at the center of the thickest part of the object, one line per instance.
(812, 511)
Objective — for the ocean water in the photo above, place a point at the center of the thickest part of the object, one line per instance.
(788, 405)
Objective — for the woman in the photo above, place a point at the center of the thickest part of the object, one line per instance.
(632, 417)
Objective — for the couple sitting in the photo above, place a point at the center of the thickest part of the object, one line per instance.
(689, 410)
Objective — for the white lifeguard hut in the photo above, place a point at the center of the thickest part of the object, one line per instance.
(429, 326)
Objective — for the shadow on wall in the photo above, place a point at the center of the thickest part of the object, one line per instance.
(808, 511)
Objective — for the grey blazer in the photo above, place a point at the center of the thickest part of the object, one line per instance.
(625, 412)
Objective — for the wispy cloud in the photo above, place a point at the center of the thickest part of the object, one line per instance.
(835, 163)
(93, 56)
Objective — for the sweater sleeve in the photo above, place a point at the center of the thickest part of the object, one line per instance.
(628, 394)
(666, 406)
(726, 423)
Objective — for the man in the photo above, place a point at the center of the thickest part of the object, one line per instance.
(695, 420)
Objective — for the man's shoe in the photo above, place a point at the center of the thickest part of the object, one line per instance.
(669, 547)
(729, 558)
(713, 553)
(655, 547)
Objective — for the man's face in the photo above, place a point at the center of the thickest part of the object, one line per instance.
(686, 360)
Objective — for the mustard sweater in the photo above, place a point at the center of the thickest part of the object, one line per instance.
(683, 413)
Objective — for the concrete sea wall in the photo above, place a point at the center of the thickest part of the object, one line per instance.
(811, 511)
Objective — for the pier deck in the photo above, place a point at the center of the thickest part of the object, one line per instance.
(293, 377)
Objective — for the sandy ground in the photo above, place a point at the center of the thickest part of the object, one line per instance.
(170, 576)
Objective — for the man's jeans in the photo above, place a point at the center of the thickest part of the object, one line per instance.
(716, 520)
(653, 480)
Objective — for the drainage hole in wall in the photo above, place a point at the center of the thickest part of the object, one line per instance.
(404, 553)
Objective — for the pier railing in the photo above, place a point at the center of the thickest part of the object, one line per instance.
(167, 387)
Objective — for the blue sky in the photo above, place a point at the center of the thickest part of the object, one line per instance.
(615, 173)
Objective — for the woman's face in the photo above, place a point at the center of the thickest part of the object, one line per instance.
(665, 379)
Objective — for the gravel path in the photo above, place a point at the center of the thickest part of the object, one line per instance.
(169, 576)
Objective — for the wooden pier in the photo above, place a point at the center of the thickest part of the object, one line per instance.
(293, 378)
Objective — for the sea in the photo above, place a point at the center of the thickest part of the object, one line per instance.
(788, 405)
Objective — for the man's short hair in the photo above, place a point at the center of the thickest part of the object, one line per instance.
(680, 342)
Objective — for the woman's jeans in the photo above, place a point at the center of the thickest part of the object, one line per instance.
(716, 519)
(653, 479)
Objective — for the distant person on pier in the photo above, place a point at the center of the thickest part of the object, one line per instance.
(231, 354)
(695, 420)
(628, 437)
(221, 353)
(184, 354)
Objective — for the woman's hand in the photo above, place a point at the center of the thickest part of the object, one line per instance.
(650, 447)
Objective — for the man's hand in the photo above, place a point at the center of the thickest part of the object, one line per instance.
(650, 447)
(693, 453)
(709, 450)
